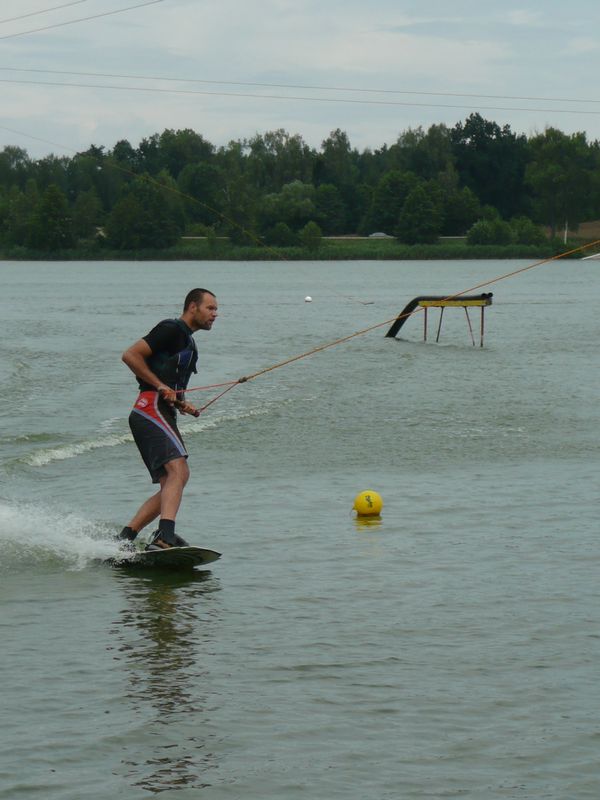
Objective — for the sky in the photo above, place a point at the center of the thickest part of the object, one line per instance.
(88, 72)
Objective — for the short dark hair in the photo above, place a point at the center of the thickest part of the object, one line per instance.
(195, 296)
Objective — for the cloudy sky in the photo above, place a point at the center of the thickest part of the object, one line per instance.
(97, 71)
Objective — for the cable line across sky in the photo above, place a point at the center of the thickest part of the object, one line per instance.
(251, 95)
(80, 19)
(316, 87)
(43, 11)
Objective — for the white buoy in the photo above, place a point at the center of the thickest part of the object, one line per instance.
(308, 299)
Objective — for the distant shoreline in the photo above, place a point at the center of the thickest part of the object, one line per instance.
(338, 250)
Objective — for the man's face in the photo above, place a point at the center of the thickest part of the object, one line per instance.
(205, 312)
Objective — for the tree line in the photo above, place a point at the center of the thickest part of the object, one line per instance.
(476, 178)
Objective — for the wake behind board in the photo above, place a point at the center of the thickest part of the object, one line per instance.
(170, 558)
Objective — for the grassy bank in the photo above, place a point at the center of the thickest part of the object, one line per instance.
(329, 250)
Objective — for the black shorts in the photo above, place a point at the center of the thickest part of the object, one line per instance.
(154, 429)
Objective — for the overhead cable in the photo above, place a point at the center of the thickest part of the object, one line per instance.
(353, 101)
(43, 11)
(315, 87)
(82, 19)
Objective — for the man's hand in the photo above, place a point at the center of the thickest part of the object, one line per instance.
(170, 396)
(187, 408)
(167, 394)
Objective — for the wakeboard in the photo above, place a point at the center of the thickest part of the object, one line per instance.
(169, 558)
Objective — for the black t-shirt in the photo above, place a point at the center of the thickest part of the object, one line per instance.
(166, 337)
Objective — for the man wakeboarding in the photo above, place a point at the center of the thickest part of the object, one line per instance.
(163, 362)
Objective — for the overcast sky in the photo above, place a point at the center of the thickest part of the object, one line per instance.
(529, 65)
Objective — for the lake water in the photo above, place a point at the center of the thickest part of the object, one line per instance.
(449, 650)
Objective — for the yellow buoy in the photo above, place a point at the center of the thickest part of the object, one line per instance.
(368, 504)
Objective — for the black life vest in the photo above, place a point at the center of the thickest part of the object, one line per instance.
(176, 370)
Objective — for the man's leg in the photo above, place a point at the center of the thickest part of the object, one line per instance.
(166, 501)
(171, 487)
(171, 490)
(156, 435)
(146, 513)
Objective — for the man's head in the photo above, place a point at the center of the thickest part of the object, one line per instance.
(200, 309)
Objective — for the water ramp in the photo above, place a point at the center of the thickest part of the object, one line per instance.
(442, 302)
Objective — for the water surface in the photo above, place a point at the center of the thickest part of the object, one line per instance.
(450, 650)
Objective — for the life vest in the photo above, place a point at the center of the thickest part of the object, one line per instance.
(176, 370)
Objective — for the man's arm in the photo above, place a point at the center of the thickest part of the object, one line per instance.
(136, 357)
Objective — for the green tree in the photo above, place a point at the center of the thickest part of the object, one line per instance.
(82, 174)
(461, 211)
(238, 197)
(177, 149)
(459, 206)
(294, 205)
(20, 210)
(337, 164)
(281, 235)
(425, 154)
(524, 231)
(372, 164)
(311, 236)
(420, 220)
(4, 209)
(126, 227)
(387, 201)
(141, 219)
(50, 228)
(52, 171)
(562, 174)
(203, 185)
(331, 209)
(15, 167)
(490, 231)
(277, 158)
(491, 161)
(173, 202)
(125, 156)
(87, 214)
(149, 155)
(94, 169)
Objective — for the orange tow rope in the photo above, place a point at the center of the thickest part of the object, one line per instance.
(320, 348)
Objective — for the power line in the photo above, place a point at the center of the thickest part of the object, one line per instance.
(82, 19)
(197, 92)
(43, 11)
(316, 87)
(37, 138)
